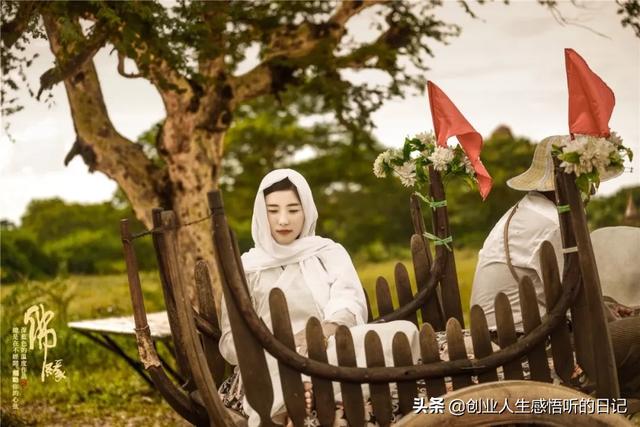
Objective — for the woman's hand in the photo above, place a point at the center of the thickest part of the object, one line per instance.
(300, 340)
(329, 329)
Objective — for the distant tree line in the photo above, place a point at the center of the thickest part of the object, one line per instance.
(56, 238)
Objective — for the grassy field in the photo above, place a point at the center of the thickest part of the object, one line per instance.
(465, 264)
(100, 388)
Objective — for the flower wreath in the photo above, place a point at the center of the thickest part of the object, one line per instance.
(590, 157)
(410, 164)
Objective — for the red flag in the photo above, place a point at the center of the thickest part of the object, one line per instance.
(591, 101)
(448, 122)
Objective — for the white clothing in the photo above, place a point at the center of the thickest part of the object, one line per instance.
(535, 221)
(333, 288)
(318, 279)
(344, 293)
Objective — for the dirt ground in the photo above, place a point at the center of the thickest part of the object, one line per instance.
(155, 414)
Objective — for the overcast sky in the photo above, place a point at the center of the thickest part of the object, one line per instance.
(506, 68)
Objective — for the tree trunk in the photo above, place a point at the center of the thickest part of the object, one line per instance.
(193, 169)
(192, 154)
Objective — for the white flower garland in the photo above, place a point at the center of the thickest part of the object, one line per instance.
(410, 163)
(589, 157)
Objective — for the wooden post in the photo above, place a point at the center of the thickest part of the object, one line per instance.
(431, 310)
(449, 284)
(605, 374)
(175, 397)
(380, 394)
(208, 311)
(202, 377)
(580, 314)
(417, 218)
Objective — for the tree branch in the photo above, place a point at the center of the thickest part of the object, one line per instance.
(347, 9)
(360, 57)
(295, 43)
(68, 67)
(121, 71)
(11, 31)
(100, 145)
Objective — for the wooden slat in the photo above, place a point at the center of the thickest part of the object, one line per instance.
(251, 355)
(607, 385)
(507, 335)
(292, 388)
(369, 312)
(322, 389)
(170, 301)
(430, 353)
(450, 290)
(481, 339)
(407, 390)
(207, 306)
(403, 288)
(538, 363)
(418, 224)
(457, 351)
(431, 310)
(560, 339)
(385, 305)
(380, 394)
(352, 396)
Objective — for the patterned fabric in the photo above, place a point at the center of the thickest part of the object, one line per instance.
(231, 392)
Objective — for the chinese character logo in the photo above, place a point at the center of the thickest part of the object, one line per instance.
(39, 333)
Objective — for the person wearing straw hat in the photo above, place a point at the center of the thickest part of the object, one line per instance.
(512, 248)
(512, 251)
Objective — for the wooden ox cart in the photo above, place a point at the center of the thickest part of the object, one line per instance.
(549, 346)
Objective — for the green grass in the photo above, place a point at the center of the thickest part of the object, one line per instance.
(101, 389)
(466, 260)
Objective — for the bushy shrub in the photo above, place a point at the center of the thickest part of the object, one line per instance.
(21, 258)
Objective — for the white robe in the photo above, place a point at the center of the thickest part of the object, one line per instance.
(345, 296)
(318, 280)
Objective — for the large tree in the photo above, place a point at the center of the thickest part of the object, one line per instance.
(190, 52)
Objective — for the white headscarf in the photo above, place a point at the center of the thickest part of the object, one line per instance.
(268, 253)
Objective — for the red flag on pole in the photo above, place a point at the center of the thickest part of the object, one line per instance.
(448, 122)
(591, 101)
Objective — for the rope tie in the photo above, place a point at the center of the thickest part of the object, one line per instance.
(563, 208)
(163, 229)
(437, 241)
(570, 250)
(433, 204)
(505, 237)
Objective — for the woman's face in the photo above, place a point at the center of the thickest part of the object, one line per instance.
(285, 215)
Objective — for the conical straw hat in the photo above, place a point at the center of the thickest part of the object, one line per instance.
(539, 176)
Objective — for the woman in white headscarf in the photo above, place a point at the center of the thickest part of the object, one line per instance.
(316, 275)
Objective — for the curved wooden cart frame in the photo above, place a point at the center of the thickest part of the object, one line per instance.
(195, 334)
